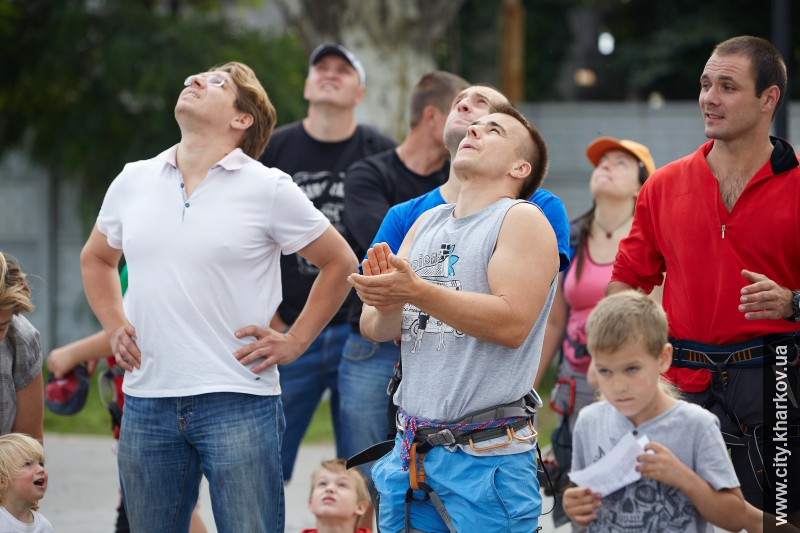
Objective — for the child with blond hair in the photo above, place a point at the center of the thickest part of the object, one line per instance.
(339, 498)
(687, 480)
(23, 482)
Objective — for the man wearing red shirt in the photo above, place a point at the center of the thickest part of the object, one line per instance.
(724, 225)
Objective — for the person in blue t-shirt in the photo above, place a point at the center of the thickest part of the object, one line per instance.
(471, 104)
(401, 217)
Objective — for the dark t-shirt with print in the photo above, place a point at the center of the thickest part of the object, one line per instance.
(319, 169)
(372, 186)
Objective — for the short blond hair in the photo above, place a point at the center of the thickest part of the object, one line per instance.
(624, 317)
(15, 293)
(253, 99)
(15, 449)
(339, 466)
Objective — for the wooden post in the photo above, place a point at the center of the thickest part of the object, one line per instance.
(512, 52)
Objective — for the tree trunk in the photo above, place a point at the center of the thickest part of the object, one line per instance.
(394, 39)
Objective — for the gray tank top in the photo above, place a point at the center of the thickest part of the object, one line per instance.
(447, 374)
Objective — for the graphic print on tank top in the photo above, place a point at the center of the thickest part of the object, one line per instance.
(437, 268)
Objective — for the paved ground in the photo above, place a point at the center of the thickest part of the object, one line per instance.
(83, 488)
(83, 494)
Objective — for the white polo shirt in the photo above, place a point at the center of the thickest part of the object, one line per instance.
(202, 267)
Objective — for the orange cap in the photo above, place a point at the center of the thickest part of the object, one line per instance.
(598, 147)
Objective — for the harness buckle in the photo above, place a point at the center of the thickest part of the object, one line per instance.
(493, 446)
(442, 438)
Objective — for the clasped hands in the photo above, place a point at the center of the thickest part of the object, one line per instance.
(387, 283)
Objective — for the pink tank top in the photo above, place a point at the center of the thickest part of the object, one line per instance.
(582, 296)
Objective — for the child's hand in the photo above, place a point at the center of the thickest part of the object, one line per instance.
(662, 465)
(580, 503)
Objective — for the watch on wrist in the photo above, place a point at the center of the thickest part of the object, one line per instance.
(795, 307)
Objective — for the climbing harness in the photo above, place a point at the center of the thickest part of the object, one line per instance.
(420, 436)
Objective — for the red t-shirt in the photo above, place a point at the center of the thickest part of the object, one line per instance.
(681, 226)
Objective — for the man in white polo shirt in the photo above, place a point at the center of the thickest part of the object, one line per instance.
(202, 227)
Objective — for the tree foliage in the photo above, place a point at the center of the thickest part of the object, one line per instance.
(394, 39)
(474, 43)
(89, 85)
(663, 45)
(660, 46)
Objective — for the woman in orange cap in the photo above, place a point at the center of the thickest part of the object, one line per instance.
(621, 168)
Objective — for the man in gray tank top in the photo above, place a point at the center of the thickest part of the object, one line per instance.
(468, 296)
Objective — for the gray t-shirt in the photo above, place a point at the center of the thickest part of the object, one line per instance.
(690, 432)
(20, 363)
(447, 374)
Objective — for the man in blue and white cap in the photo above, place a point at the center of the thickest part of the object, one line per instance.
(316, 151)
(326, 49)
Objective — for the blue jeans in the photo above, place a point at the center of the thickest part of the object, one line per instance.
(167, 444)
(302, 385)
(364, 373)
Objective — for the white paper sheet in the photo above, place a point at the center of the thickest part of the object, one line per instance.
(615, 469)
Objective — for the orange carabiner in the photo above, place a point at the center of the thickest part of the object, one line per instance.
(532, 436)
(416, 472)
(494, 446)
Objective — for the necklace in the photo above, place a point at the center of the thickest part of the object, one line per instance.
(610, 232)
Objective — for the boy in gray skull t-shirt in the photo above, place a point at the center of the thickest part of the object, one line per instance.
(687, 430)
(688, 481)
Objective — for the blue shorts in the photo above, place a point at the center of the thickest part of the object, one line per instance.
(486, 493)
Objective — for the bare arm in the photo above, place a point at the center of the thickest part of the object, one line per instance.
(333, 256)
(617, 286)
(30, 409)
(335, 260)
(724, 508)
(104, 293)
(554, 333)
(62, 360)
(507, 314)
